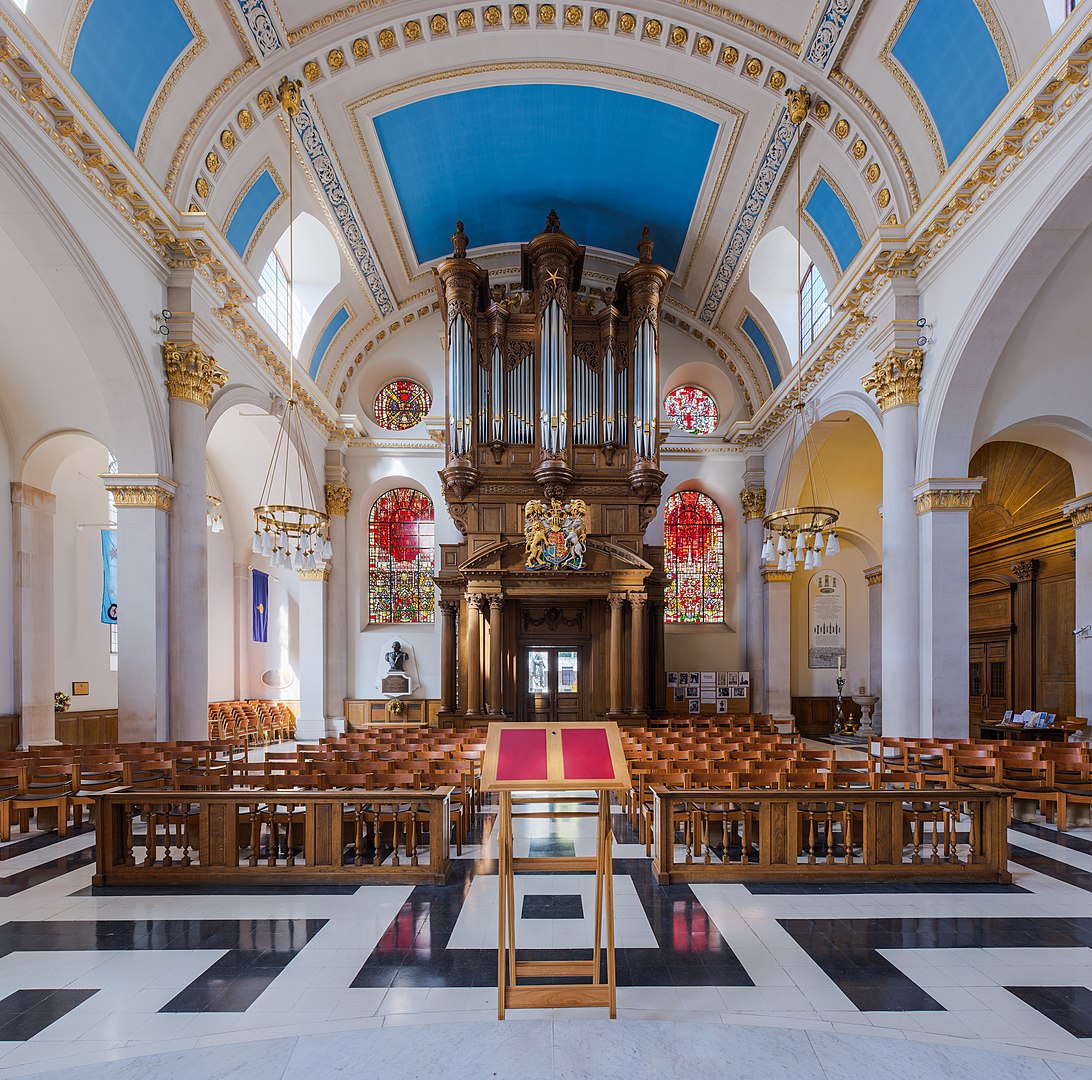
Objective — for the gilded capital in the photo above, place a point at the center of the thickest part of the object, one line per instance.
(337, 499)
(321, 573)
(874, 575)
(956, 494)
(896, 379)
(753, 501)
(192, 374)
(1079, 511)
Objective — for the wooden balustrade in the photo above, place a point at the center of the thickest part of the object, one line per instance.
(854, 834)
(230, 837)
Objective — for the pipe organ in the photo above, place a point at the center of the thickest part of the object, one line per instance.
(552, 401)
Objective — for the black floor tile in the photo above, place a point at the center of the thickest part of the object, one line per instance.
(558, 906)
(27, 1012)
(1069, 1007)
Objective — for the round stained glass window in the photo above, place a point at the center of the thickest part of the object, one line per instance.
(401, 404)
(693, 410)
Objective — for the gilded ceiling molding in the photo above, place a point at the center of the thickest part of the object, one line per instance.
(822, 174)
(353, 107)
(192, 375)
(777, 151)
(140, 490)
(333, 314)
(955, 494)
(1001, 43)
(753, 502)
(699, 334)
(824, 41)
(838, 76)
(75, 25)
(314, 146)
(228, 83)
(898, 72)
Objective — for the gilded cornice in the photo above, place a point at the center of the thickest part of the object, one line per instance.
(753, 501)
(192, 374)
(140, 490)
(337, 499)
(321, 573)
(956, 494)
(896, 379)
(771, 576)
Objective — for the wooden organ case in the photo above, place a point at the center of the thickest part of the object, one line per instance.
(552, 606)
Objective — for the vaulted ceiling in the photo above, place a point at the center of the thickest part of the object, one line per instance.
(665, 114)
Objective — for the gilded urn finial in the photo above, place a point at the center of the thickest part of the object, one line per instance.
(799, 102)
(288, 94)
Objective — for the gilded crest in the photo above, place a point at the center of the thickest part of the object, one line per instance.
(555, 534)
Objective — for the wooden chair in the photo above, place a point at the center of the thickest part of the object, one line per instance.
(47, 787)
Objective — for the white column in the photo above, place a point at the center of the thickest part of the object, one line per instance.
(943, 508)
(243, 628)
(311, 725)
(192, 378)
(32, 513)
(143, 505)
(337, 626)
(1079, 512)
(874, 580)
(896, 382)
(753, 501)
(778, 643)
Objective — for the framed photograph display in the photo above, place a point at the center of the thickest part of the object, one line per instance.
(722, 705)
(695, 707)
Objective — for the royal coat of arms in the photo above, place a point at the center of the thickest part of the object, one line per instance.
(556, 535)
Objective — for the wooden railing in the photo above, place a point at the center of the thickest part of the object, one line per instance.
(705, 835)
(230, 837)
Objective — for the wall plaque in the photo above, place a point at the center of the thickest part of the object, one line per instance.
(826, 619)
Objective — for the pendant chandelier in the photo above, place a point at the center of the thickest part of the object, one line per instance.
(289, 535)
(800, 535)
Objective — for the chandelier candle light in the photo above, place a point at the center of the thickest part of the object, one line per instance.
(288, 534)
(800, 534)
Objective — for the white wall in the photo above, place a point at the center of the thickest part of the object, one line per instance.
(222, 614)
(82, 641)
(7, 642)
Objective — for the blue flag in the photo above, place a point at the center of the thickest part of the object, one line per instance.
(259, 595)
(109, 576)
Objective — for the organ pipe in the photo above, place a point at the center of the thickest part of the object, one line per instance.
(553, 350)
(496, 404)
(644, 389)
(460, 360)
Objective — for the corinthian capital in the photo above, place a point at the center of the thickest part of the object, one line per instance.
(192, 374)
(896, 379)
(753, 501)
(337, 499)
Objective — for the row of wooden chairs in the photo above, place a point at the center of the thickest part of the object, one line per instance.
(251, 722)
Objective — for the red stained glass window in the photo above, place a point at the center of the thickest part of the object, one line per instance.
(401, 404)
(400, 563)
(693, 410)
(693, 559)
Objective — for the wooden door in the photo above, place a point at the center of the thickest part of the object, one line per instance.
(989, 681)
(551, 677)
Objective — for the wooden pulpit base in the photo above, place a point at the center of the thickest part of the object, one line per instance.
(595, 992)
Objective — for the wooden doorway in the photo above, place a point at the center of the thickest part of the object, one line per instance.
(990, 680)
(550, 683)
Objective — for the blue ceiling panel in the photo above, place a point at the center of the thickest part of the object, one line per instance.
(500, 158)
(260, 196)
(765, 349)
(322, 346)
(828, 212)
(946, 48)
(122, 55)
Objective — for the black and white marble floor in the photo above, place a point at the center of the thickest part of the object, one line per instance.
(399, 981)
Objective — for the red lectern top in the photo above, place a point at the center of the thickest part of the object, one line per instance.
(554, 757)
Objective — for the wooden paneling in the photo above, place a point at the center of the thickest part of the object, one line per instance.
(815, 715)
(365, 712)
(86, 728)
(9, 733)
(1022, 584)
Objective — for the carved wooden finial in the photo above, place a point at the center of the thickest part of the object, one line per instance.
(553, 222)
(645, 245)
(459, 241)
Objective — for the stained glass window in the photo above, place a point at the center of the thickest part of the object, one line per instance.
(693, 559)
(693, 410)
(400, 566)
(401, 404)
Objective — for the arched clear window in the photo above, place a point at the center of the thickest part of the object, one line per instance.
(273, 303)
(401, 404)
(693, 410)
(814, 309)
(693, 559)
(401, 537)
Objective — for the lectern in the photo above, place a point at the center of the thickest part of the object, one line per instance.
(554, 759)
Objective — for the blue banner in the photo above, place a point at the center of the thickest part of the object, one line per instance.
(259, 595)
(109, 576)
